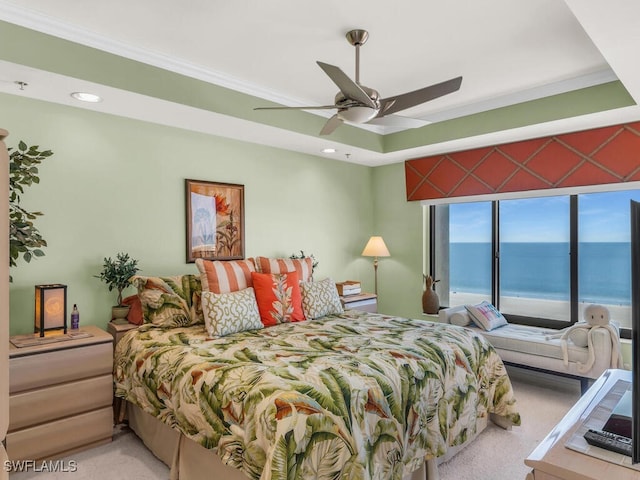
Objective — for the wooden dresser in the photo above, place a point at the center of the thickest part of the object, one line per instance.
(60, 396)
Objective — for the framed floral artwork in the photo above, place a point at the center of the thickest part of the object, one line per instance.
(215, 220)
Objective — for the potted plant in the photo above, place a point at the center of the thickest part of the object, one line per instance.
(116, 274)
(24, 238)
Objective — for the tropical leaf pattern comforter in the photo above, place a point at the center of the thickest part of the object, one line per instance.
(351, 396)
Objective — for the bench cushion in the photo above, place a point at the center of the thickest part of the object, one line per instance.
(533, 340)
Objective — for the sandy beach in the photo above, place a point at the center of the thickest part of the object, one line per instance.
(552, 309)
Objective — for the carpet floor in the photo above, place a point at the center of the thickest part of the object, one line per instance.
(497, 454)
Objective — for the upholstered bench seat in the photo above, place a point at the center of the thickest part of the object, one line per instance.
(533, 340)
(532, 347)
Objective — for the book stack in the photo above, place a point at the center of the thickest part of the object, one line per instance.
(348, 287)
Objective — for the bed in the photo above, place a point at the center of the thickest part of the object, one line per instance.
(353, 395)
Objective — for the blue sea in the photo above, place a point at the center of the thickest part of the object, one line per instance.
(541, 270)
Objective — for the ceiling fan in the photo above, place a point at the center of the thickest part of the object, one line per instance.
(359, 104)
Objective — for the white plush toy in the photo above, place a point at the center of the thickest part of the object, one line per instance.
(581, 334)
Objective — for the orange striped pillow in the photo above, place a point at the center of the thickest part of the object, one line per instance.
(285, 265)
(219, 276)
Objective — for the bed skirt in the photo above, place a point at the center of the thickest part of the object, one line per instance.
(188, 460)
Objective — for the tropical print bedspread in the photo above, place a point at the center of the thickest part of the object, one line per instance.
(351, 396)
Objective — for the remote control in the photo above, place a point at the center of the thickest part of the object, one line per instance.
(609, 441)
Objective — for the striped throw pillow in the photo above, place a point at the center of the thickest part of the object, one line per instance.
(285, 265)
(219, 276)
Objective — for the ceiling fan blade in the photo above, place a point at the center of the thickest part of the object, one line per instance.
(333, 123)
(348, 87)
(407, 100)
(317, 107)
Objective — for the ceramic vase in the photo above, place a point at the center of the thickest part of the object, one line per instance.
(430, 300)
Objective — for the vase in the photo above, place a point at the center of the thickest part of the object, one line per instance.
(119, 312)
(430, 300)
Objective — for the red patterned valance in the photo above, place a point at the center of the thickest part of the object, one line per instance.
(591, 157)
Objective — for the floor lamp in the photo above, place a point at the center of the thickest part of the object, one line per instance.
(376, 248)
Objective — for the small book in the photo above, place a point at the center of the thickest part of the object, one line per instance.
(348, 287)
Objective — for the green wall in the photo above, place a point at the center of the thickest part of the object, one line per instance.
(115, 184)
(400, 224)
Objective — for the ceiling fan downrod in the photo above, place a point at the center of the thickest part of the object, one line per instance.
(357, 38)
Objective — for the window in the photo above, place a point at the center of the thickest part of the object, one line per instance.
(469, 253)
(534, 257)
(605, 252)
(540, 260)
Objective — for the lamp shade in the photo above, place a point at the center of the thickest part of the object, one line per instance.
(376, 248)
(50, 308)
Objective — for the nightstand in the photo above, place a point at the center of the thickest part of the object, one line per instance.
(60, 396)
(118, 329)
(367, 302)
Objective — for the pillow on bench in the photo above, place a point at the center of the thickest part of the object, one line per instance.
(486, 316)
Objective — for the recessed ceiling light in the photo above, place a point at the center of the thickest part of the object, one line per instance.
(328, 150)
(86, 97)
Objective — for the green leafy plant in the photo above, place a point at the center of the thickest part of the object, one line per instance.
(116, 273)
(314, 262)
(24, 237)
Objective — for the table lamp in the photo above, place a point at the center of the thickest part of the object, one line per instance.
(376, 248)
(50, 308)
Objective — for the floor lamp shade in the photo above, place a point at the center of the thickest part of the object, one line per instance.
(375, 247)
(50, 308)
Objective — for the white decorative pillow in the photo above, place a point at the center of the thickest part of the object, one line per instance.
(226, 313)
(486, 316)
(320, 298)
(461, 319)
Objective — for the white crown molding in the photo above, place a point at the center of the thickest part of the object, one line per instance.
(563, 86)
(19, 15)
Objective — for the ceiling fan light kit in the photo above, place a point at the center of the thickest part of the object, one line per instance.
(357, 103)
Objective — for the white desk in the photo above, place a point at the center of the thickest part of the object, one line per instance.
(551, 460)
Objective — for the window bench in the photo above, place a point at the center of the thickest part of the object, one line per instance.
(528, 347)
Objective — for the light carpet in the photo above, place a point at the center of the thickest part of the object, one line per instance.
(496, 455)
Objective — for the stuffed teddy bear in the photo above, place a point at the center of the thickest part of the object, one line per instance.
(581, 334)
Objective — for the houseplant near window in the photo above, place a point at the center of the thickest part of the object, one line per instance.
(116, 274)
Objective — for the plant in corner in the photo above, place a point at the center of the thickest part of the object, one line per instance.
(24, 237)
(116, 274)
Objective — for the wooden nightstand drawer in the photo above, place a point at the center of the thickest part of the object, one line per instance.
(59, 437)
(61, 394)
(64, 365)
(33, 407)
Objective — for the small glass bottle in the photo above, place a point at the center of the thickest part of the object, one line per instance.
(75, 318)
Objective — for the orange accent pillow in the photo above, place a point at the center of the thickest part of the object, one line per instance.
(135, 310)
(278, 296)
(225, 276)
(304, 266)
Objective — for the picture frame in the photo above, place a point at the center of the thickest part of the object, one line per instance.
(215, 220)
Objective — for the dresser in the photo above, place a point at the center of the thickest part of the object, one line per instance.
(60, 396)
(4, 301)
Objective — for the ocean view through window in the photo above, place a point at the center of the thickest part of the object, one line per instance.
(532, 252)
